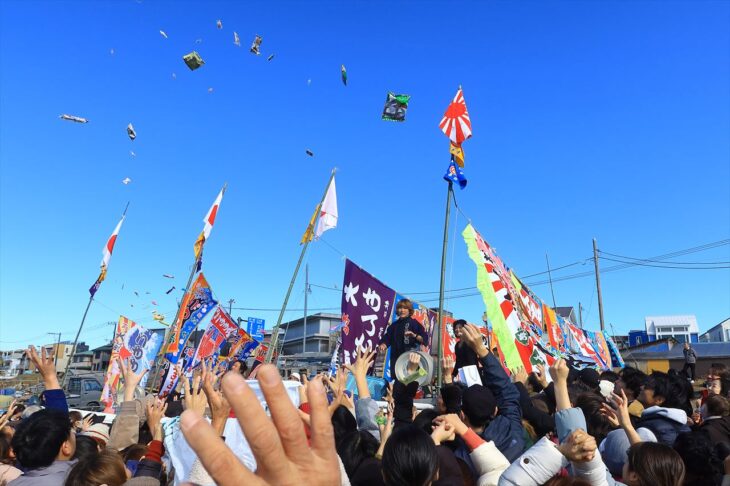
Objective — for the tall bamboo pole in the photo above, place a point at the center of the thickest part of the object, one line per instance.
(275, 331)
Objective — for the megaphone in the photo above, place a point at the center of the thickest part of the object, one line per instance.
(423, 376)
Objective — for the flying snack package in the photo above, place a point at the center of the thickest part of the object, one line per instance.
(73, 118)
(130, 132)
(193, 60)
(395, 107)
(168, 292)
(236, 39)
(126, 181)
(343, 72)
(255, 45)
(163, 34)
(219, 24)
(309, 152)
(270, 57)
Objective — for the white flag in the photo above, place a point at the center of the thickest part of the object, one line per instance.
(328, 213)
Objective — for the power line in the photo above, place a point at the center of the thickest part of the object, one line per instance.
(659, 261)
(666, 266)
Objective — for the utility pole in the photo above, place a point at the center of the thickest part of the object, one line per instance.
(580, 314)
(230, 305)
(550, 278)
(58, 346)
(306, 293)
(598, 284)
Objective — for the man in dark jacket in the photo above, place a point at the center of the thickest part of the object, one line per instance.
(690, 361)
(492, 410)
(405, 334)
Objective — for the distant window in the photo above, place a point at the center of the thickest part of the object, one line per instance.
(91, 386)
(74, 386)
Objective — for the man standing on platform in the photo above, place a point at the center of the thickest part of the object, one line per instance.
(690, 361)
(405, 334)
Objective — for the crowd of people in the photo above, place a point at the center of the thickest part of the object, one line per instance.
(558, 427)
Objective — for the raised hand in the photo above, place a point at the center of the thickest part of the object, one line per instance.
(442, 432)
(471, 335)
(447, 369)
(454, 421)
(559, 371)
(87, 422)
(131, 379)
(220, 409)
(578, 447)
(46, 367)
(520, 375)
(278, 444)
(194, 398)
(414, 362)
(155, 411)
(362, 364)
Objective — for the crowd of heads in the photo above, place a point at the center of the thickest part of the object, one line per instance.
(610, 427)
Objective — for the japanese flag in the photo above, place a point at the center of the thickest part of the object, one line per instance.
(109, 247)
(328, 212)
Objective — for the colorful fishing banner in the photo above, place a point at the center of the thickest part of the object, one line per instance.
(493, 282)
(111, 380)
(221, 327)
(140, 348)
(133, 344)
(197, 303)
(616, 360)
(529, 331)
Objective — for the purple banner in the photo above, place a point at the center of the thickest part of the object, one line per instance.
(366, 309)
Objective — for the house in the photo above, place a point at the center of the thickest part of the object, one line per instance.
(666, 353)
(61, 352)
(717, 334)
(100, 360)
(567, 313)
(82, 361)
(681, 328)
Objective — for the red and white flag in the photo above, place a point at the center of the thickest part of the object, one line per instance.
(209, 221)
(456, 123)
(106, 253)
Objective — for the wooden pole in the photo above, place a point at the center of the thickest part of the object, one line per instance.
(275, 331)
(598, 283)
(81, 326)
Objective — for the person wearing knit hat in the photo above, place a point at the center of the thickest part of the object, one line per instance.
(98, 432)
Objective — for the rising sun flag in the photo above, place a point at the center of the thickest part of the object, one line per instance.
(107, 255)
(209, 221)
(456, 125)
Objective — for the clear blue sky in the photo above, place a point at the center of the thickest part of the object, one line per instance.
(591, 119)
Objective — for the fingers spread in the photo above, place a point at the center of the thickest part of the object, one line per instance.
(323, 436)
(285, 416)
(217, 458)
(258, 429)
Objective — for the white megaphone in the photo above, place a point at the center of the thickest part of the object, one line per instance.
(423, 375)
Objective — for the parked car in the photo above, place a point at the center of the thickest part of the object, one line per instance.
(84, 392)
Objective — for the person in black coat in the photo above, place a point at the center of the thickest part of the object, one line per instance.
(405, 334)
(465, 356)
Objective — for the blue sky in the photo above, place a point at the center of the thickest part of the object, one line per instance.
(591, 119)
